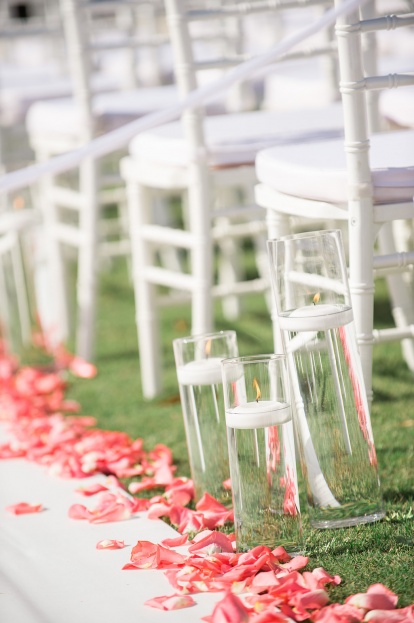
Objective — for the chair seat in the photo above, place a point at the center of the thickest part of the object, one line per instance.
(317, 171)
(22, 89)
(397, 105)
(62, 117)
(235, 139)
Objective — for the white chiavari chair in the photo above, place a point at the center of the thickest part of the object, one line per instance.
(96, 34)
(366, 180)
(32, 67)
(210, 160)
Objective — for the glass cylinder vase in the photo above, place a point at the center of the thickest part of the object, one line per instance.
(331, 412)
(261, 452)
(198, 365)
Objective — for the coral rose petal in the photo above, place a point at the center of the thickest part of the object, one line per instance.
(377, 597)
(296, 563)
(175, 542)
(337, 613)
(229, 610)
(92, 489)
(117, 512)
(79, 511)
(172, 602)
(81, 368)
(23, 508)
(404, 615)
(110, 544)
(217, 539)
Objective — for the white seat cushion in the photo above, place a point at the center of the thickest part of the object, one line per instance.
(318, 171)
(61, 117)
(235, 139)
(23, 88)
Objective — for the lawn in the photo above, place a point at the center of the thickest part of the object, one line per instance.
(381, 552)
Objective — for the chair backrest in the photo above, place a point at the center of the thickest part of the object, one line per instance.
(108, 32)
(228, 17)
(358, 81)
(29, 32)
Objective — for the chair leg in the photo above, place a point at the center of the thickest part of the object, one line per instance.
(278, 225)
(87, 262)
(361, 284)
(56, 322)
(169, 256)
(21, 293)
(139, 212)
(199, 201)
(401, 295)
(5, 311)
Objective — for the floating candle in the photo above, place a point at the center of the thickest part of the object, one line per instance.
(316, 318)
(200, 372)
(258, 414)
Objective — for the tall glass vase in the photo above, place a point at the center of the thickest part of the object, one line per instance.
(331, 412)
(198, 364)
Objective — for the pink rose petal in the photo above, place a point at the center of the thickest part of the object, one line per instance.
(337, 613)
(377, 597)
(404, 615)
(218, 540)
(175, 542)
(110, 544)
(81, 368)
(229, 610)
(147, 555)
(23, 508)
(91, 489)
(171, 602)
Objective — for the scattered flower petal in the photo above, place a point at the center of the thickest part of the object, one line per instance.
(171, 602)
(23, 508)
(92, 489)
(110, 544)
(229, 610)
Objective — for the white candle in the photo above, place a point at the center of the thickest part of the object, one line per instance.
(258, 414)
(200, 372)
(319, 317)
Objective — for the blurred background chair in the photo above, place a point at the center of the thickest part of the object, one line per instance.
(32, 67)
(366, 180)
(17, 304)
(105, 42)
(209, 161)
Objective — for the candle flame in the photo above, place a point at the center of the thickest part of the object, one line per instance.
(257, 388)
(316, 298)
(207, 349)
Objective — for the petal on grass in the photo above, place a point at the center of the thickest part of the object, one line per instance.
(377, 597)
(403, 615)
(81, 368)
(23, 508)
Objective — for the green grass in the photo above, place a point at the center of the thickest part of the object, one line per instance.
(381, 552)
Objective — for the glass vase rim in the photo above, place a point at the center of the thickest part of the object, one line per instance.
(306, 234)
(261, 358)
(188, 339)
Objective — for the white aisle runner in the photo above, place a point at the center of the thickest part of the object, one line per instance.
(51, 571)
